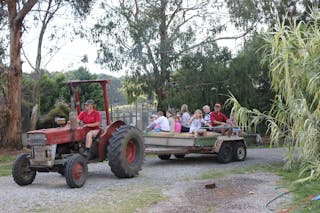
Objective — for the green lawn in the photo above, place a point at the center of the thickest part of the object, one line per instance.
(303, 192)
(5, 164)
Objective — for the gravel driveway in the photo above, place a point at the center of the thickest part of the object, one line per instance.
(174, 179)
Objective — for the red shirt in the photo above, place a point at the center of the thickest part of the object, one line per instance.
(218, 116)
(93, 117)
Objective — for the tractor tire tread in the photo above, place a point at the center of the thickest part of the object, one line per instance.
(116, 152)
(16, 171)
(68, 172)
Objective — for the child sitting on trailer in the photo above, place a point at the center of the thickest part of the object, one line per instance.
(177, 124)
(196, 123)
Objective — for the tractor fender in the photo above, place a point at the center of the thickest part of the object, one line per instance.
(105, 136)
(223, 139)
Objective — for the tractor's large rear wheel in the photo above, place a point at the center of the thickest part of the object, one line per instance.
(21, 172)
(126, 152)
(76, 171)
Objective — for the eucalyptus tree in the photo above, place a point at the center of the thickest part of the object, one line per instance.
(3, 44)
(44, 18)
(268, 12)
(148, 38)
(16, 10)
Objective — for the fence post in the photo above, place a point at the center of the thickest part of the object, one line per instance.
(111, 115)
(137, 114)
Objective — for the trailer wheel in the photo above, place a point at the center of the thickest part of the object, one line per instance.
(126, 151)
(179, 156)
(164, 157)
(76, 171)
(21, 172)
(239, 151)
(225, 153)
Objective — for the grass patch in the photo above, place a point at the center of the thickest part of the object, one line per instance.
(303, 192)
(240, 170)
(123, 200)
(6, 159)
(6, 164)
(142, 200)
(5, 170)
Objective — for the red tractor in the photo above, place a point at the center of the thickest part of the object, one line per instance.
(60, 149)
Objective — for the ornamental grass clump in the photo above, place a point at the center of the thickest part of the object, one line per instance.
(293, 54)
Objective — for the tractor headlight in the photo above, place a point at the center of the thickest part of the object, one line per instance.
(37, 139)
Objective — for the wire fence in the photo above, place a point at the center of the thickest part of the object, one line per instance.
(137, 115)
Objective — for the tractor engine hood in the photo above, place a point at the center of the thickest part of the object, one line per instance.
(55, 135)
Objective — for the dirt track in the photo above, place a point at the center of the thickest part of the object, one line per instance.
(177, 179)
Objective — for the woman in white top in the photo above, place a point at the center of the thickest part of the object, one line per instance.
(185, 117)
(162, 121)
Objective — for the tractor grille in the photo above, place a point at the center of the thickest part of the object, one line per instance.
(43, 155)
(37, 139)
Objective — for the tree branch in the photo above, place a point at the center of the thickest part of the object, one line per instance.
(174, 13)
(137, 10)
(208, 40)
(24, 11)
(52, 55)
(151, 58)
(25, 56)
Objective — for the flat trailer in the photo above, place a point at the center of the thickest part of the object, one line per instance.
(227, 147)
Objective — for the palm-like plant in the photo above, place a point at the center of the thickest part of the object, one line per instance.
(293, 55)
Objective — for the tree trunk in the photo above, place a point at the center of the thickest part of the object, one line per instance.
(164, 58)
(160, 99)
(34, 117)
(3, 116)
(12, 134)
(35, 102)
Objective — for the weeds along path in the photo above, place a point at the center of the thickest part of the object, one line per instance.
(158, 182)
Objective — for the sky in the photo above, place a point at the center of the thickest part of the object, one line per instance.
(71, 52)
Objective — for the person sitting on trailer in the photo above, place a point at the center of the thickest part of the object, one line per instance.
(162, 121)
(207, 117)
(218, 119)
(196, 122)
(91, 120)
(156, 128)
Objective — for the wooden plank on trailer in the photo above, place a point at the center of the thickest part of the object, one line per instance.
(163, 151)
(180, 141)
(162, 141)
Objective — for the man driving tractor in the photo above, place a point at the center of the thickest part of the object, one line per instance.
(91, 120)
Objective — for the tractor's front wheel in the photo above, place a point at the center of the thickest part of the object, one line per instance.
(76, 171)
(126, 151)
(21, 172)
